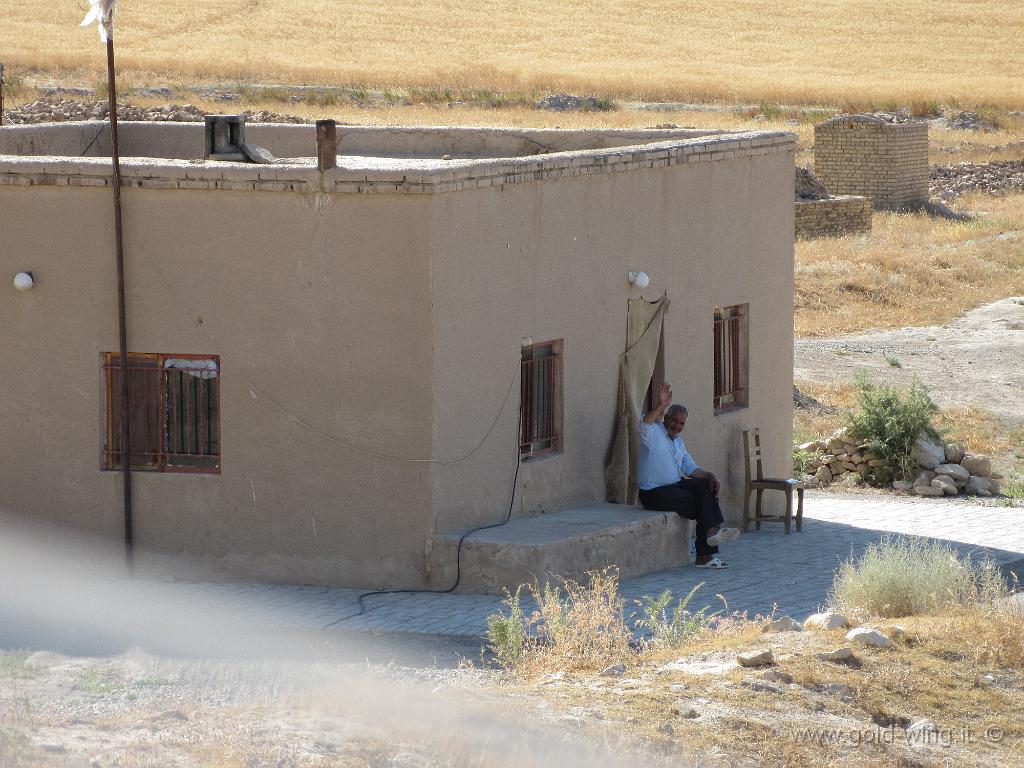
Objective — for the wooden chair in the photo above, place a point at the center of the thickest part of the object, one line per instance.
(760, 484)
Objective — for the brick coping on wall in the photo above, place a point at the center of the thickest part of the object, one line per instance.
(379, 174)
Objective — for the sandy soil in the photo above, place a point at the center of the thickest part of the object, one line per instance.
(976, 360)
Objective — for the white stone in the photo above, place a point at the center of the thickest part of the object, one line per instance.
(953, 470)
(757, 658)
(824, 475)
(868, 636)
(839, 654)
(925, 478)
(928, 452)
(927, 490)
(946, 485)
(826, 620)
(978, 485)
(954, 453)
(976, 465)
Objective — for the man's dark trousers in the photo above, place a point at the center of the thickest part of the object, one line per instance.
(692, 498)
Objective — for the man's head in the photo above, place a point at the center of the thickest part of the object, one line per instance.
(675, 419)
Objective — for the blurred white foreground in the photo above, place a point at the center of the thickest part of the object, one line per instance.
(99, 669)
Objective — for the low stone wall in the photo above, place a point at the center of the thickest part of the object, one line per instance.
(833, 216)
(946, 469)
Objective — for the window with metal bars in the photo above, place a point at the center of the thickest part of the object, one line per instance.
(731, 368)
(540, 400)
(173, 412)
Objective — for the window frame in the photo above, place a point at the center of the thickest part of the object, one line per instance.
(731, 359)
(162, 458)
(533, 444)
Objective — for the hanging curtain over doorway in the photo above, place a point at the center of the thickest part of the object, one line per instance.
(644, 323)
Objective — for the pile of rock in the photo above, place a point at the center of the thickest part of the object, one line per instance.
(567, 102)
(970, 121)
(809, 186)
(948, 470)
(948, 182)
(62, 110)
(836, 456)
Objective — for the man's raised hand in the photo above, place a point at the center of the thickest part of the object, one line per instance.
(665, 396)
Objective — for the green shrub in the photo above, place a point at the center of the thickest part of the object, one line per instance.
(802, 461)
(888, 420)
(669, 631)
(900, 576)
(506, 635)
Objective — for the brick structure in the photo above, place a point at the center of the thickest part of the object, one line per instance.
(844, 215)
(869, 155)
(354, 338)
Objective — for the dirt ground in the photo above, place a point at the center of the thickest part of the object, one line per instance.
(137, 710)
(974, 361)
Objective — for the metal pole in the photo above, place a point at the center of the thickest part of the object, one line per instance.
(1, 94)
(126, 452)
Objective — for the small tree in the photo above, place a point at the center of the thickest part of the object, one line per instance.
(888, 420)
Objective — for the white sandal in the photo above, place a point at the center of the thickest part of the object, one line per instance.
(724, 536)
(714, 564)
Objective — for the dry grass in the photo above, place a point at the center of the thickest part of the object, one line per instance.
(910, 270)
(930, 674)
(810, 425)
(576, 627)
(901, 576)
(979, 430)
(841, 51)
(966, 690)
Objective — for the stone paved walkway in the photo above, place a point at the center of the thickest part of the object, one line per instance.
(792, 573)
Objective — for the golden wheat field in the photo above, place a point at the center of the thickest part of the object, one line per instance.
(843, 52)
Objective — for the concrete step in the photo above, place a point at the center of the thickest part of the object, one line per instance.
(561, 545)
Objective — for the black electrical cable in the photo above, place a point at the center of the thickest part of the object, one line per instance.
(93, 141)
(458, 554)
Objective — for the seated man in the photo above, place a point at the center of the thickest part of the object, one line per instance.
(663, 459)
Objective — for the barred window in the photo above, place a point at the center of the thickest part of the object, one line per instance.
(174, 412)
(731, 364)
(540, 399)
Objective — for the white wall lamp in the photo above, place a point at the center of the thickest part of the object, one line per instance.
(24, 281)
(639, 279)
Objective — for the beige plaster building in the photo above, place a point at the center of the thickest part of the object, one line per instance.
(328, 366)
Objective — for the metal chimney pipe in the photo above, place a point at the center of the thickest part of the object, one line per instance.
(326, 144)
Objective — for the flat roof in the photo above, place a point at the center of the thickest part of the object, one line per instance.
(370, 158)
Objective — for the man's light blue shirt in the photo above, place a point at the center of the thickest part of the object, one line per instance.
(663, 459)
